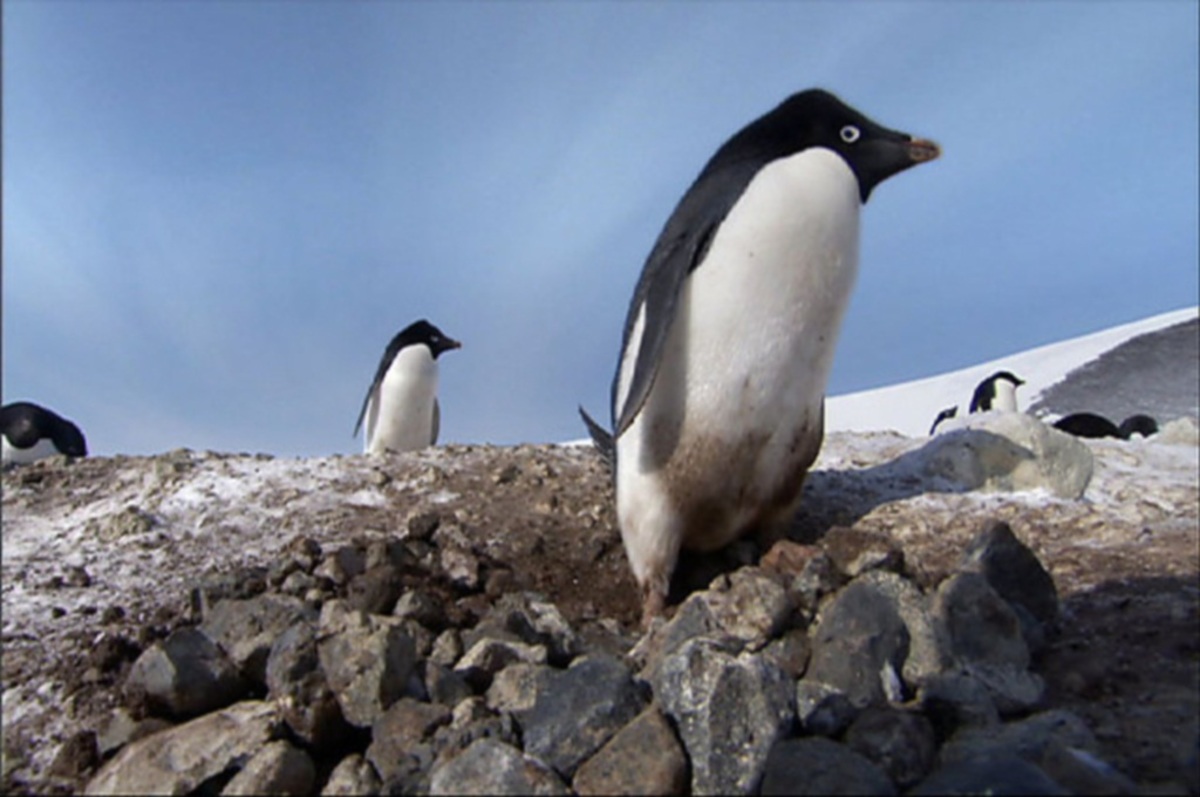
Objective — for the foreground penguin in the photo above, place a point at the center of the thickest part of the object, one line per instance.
(401, 408)
(29, 432)
(718, 398)
(997, 392)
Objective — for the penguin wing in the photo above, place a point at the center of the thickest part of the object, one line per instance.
(437, 423)
(385, 362)
(679, 250)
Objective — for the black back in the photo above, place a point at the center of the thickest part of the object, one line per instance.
(1087, 424)
(944, 415)
(985, 392)
(804, 120)
(418, 333)
(25, 423)
(1137, 424)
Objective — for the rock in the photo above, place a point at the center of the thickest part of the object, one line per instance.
(444, 685)
(823, 710)
(748, 604)
(278, 768)
(821, 766)
(121, 728)
(529, 618)
(343, 564)
(489, 656)
(297, 683)
(421, 606)
(181, 759)
(854, 551)
(396, 736)
(1028, 738)
(246, 628)
(875, 627)
(956, 698)
(184, 675)
(515, 688)
(901, 743)
(729, 711)
(1081, 772)
(492, 767)
(1180, 432)
(1006, 452)
(376, 590)
(367, 660)
(238, 584)
(77, 757)
(1016, 574)
(578, 710)
(644, 757)
(1000, 775)
(353, 775)
(789, 652)
(980, 625)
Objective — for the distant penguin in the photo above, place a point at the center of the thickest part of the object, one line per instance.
(718, 399)
(401, 408)
(29, 432)
(944, 415)
(997, 392)
(1087, 424)
(1137, 424)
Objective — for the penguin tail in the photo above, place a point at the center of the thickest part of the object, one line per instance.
(601, 437)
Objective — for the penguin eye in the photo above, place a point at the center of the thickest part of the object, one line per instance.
(850, 134)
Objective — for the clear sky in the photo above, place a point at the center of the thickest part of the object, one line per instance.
(216, 214)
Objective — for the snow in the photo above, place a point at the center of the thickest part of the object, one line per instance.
(910, 407)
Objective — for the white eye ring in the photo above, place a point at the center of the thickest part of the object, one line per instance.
(850, 134)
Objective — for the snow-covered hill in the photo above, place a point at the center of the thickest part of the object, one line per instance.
(910, 407)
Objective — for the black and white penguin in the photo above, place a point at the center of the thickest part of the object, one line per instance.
(718, 399)
(1138, 424)
(401, 408)
(29, 432)
(944, 415)
(1087, 424)
(997, 392)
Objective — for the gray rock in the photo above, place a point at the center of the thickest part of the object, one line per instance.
(396, 736)
(529, 618)
(729, 711)
(367, 660)
(1015, 572)
(578, 710)
(980, 625)
(854, 551)
(121, 728)
(1028, 738)
(297, 683)
(1081, 772)
(515, 688)
(821, 766)
(1000, 775)
(185, 675)
(807, 572)
(241, 583)
(376, 590)
(246, 628)
(901, 743)
(823, 710)
(954, 699)
(749, 604)
(489, 656)
(343, 564)
(1009, 451)
(789, 652)
(353, 775)
(492, 767)
(180, 759)
(444, 685)
(447, 647)
(278, 768)
(644, 757)
(421, 606)
(874, 632)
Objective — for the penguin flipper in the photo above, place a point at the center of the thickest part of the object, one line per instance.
(601, 437)
(437, 423)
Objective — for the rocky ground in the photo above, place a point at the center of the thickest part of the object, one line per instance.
(463, 619)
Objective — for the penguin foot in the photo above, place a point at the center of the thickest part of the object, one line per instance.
(653, 603)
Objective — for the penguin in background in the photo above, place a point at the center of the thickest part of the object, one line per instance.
(29, 432)
(944, 415)
(1091, 425)
(718, 398)
(997, 392)
(401, 408)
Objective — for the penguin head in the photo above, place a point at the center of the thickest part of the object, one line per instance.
(816, 118)
(1006, 376)
(424, 333)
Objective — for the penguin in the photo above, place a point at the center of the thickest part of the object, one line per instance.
(1087, 424)
(718, 398)
(401, 408)
(997, 392)
(1139, 424)
(944, 415)
(29, 432)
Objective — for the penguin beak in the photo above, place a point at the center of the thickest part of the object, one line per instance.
(921, 150)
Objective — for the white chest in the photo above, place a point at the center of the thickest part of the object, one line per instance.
(40, 450)
(400, 414)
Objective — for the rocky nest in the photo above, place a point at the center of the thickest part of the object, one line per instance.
(945, 615)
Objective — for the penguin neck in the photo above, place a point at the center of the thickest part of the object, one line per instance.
(1006, 396)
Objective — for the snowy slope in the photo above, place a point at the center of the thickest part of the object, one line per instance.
(910, 407)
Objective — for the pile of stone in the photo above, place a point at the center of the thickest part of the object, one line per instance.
(379, 668)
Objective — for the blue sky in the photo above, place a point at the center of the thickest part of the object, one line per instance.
(216, 214)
